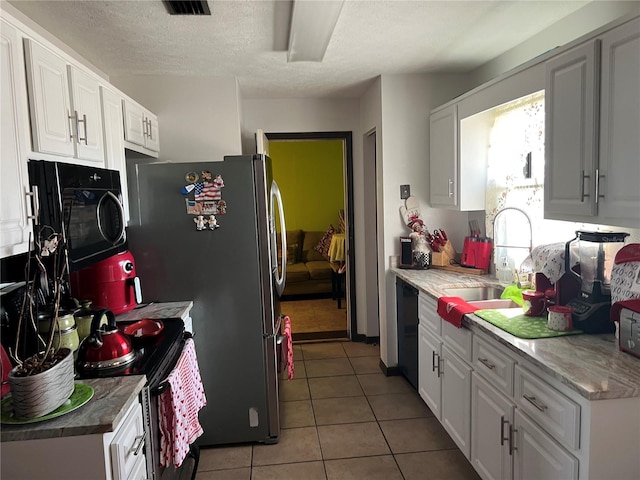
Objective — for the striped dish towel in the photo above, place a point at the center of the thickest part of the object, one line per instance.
(178, 408)
(287, 332)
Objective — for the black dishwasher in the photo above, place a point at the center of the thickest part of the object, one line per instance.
(407, 311)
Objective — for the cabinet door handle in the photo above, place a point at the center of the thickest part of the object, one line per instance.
(72, 119)
(84, 123)
(35, 204)
(512, 439)
(533, 401)
(440, 366)
(503, 422)
(150, 129)
(598, 177)
(582, 194)
(450, 190)
(144, 128)
(433, 361)
(136, 448)
(486, 363)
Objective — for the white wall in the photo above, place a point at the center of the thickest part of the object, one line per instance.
(289, 115)
(589, 18)
(298, 115)
(368, 311)
(199, 117)
(403, 158)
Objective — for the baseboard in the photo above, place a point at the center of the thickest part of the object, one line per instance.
(364, 339)
(337, 334)
(389, 371)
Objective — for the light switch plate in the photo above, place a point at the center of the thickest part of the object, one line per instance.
(405, 191)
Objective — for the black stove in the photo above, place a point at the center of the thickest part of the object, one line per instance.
(155, 357)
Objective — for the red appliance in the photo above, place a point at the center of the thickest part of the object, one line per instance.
(476, 252)
(110, 283)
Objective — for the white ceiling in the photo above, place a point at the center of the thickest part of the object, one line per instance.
(247, 39)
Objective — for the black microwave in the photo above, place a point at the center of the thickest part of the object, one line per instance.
(84, 203)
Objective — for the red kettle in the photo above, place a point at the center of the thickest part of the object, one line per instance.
(106, 347)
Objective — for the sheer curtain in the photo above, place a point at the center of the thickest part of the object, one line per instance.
(515, 176)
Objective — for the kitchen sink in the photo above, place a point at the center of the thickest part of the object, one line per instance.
(494, 304)
(474, 294)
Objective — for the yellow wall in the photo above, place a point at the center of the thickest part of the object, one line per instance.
(309, 174)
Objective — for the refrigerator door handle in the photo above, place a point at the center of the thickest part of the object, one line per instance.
(276, 329)
(279, 276)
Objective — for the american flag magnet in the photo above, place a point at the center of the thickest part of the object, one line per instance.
(207, 199)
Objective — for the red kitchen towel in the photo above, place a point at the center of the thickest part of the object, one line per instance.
(287, 332)
(178, 408)
(452, 309)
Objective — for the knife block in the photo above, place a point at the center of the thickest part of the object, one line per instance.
(445, 256)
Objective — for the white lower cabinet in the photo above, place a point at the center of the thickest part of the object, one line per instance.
(444, 383)
(513, 420)
(116, 455)
(537, 455)
(491, 431)
(456, 399)
(127, 446)
(429, 369)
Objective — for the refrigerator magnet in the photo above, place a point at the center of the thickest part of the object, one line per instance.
(191, 177)
(208, 190)
(187, 189)
(200, 222)
(213, 223)
(193, 207)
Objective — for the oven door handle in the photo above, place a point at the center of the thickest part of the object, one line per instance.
(166, 385)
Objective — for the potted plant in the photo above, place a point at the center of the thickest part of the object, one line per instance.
(43, 381)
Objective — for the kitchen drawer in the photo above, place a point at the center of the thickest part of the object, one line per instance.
(127, 445)
(458, 339)
(549, 408)
(494, 365)
(427, 307)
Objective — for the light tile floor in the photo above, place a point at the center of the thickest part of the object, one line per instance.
(342, 418)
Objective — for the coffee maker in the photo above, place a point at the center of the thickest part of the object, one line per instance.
(590, 263)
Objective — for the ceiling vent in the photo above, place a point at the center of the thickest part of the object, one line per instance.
(194, 7)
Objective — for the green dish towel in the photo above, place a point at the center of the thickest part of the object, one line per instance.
(513, 321)
(512, 292)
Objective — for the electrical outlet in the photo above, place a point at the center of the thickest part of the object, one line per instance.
(405, 191)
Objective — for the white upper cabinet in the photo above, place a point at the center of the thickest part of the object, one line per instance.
(49, 101)
(64, 102)
(620, 124)
(113, 121)
(458, 170)
(140, 128)
(592, 123)
(85, 96)
(443, 157)
(14, 179)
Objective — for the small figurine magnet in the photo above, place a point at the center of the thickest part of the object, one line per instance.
(200, 222)
(213, 223)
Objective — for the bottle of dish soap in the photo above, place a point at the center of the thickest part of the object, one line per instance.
(505, 272)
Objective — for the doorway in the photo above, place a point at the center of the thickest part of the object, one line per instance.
(346, 278)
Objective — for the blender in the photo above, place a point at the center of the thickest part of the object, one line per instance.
(591, 263)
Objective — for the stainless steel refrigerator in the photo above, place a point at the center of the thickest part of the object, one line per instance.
(228, 265)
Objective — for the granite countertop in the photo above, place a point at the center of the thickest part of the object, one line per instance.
(111, 399)
(157, 310)
(591, 365)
